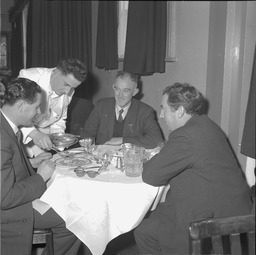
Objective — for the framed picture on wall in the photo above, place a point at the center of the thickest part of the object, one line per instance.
(5, 65)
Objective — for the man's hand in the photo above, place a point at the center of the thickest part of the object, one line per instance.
(115, 141)
(41, 140)
(46, 169)
(35, 162)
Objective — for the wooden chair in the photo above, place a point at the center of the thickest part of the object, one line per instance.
(44, 236)
(231, 235)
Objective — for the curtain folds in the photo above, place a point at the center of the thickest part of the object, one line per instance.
(106, 46)
(248, 139)
(146, 37)
(60, 29)
(16, 45)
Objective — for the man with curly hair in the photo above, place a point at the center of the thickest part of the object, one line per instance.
(202, 171)
(58, 85)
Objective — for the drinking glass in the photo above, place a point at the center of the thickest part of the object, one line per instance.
(87, 142)
(133, 159)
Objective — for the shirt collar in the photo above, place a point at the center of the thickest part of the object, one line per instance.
(126, 108)
(52, 94)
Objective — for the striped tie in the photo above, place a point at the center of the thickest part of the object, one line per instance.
(18, 135)
(120, 118)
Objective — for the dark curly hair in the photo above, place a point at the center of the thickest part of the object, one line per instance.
(19, 89)
(73, 66)
(183, 94)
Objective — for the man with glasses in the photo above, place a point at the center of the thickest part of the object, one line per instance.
(122, 118)
(58, 85)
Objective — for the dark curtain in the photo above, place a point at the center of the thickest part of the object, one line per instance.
(106, 46)
(248, 139)
(146, 37)
(16, 45)
(60, 29)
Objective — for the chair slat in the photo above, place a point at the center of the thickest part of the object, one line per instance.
(235, 244)
(217, 245)
(196, 247)
(251, 243)
(44, 236)
(218, 230)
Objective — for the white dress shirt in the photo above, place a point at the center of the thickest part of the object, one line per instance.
(53, 107)
(118, 108)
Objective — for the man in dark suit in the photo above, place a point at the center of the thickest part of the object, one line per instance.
(20, 184)
(124, 119)
(198, 163)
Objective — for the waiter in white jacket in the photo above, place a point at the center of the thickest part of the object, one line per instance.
(58, 85)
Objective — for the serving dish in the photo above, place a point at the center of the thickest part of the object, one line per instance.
(63, 140)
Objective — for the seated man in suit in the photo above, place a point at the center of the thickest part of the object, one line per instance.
(124, 119)
(198, 163)
(20, 184)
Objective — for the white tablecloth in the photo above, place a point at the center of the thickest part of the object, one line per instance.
(99, 209)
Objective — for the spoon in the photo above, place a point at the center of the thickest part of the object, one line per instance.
(64, 154)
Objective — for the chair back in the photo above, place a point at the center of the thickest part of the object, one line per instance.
(44, 236)
(230, 235)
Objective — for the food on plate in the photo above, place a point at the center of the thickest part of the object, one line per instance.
(73, 161)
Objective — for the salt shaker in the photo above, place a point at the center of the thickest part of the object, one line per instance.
(119, 163)
(105, 157)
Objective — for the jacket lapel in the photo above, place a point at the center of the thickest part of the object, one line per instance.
(130, 119)
(111, 118)
(24, 159)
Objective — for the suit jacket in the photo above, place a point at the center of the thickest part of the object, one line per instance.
(140, 125)
(20, 185)
(204, 177)
(55, 120)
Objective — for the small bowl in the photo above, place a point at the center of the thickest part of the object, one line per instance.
(92, 174)
(80, 172)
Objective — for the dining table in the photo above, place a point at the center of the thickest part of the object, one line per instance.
(100, 208)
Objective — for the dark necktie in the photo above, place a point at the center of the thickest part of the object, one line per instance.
(120, 118)
(23, 154)
(18, 135)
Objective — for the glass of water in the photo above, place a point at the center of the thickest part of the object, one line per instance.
(86, 143)
(133, 159)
